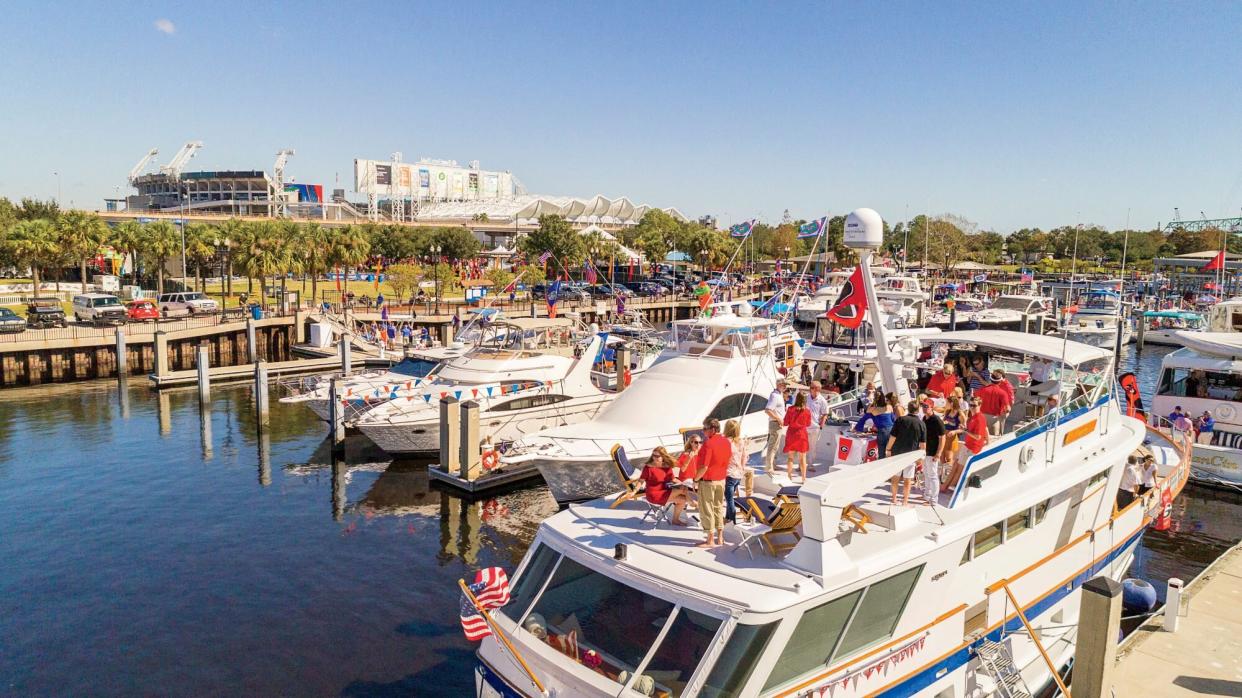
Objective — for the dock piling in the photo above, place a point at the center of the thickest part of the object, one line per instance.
(161, 353)
(344, 354)
(252, 345)
(204, 372)
(1172, 604)
(450, 434)
(336, 411)
(470, 452)
(122, 360)
(260, 392)
(1099, 623)
(1142, 328)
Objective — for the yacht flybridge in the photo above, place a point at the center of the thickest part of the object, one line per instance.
(871, 598)
(1206, 376)
(723, 366)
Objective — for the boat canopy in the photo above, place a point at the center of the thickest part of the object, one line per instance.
(1043, 346)
(1173, 314)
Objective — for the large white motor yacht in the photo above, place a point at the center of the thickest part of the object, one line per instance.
(1008, 312)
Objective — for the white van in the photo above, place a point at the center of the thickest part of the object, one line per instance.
(99, 309)
(186, 303)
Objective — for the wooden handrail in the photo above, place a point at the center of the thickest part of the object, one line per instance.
(1056, 675)
(503, 637)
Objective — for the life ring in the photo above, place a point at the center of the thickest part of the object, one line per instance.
(1225, 412)
(490, 460)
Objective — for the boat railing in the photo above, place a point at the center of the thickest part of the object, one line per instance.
(1054, 415)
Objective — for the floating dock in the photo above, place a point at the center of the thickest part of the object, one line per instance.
(245, 372)
(1204, 656)
(510, 475)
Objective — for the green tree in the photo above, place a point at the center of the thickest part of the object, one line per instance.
(269, 254)
(81, 235)
(35, 209)
(554, 235)
(200, 248)
(160, 242)
(314, 248)
(128, 237)
(33, 243)
(500, 278)
(348, 247)
(455, 243)
(986, 247)
(403, 279)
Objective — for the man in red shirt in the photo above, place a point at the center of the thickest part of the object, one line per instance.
(942, 383)
(976, 438)
(995, 401)
(711, 467)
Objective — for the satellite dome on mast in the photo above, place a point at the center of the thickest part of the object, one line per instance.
(864, 229)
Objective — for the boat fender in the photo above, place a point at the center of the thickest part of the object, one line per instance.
(490, 459)
(1225, 412)
(1137, 596)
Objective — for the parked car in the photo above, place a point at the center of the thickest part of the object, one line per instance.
(11, 322)
(646, 289)
(142, 310)
(186, 303)
(98, 309)
(604, 291)
(567, 292)
(45, 312)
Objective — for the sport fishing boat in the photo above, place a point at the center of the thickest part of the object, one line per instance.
(722, 366)
(1206, 376)
(1008, 312)
(1096, 319)
(521, 384)
(839, 592)
(1162, 326)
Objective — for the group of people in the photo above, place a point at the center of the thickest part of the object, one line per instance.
(794, 423)
(705, 476)
(1137, 479)
(1196, 430)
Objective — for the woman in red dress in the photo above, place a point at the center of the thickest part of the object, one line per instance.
(661, 487)
(797, 440)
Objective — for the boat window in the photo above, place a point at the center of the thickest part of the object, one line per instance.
(686, 642)
(528, 585)
(1041, 510)
(737, 405)
(877, 615)
(988, 538)
(737, 660)
(1173, 382)
(813, 641)
(1011, 303)
(1097, 479)
(581, 610)
(1017, 524)
(528, 402)
(1213, 385)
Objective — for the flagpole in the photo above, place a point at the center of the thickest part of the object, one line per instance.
(491, 624)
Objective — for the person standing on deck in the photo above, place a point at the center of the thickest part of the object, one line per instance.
(931, 462)
(976, 437)
(909, 434)
(942, 383)
(1131, 479)
(712, 466)
(775, 410)
(995, 402)
(1205, 425)
(818, 405)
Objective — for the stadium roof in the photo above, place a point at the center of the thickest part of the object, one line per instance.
(527, 209)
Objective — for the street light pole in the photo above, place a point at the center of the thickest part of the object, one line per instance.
(57, 174)
(435, 270)
(184, 211)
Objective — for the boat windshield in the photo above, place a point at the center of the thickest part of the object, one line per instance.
(831, 334)
(1011, 303)
(633, 638)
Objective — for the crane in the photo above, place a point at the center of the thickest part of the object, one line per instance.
(278, 170)
(142, 165)
(173, 168)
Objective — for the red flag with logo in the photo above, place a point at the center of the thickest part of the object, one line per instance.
(851, 306)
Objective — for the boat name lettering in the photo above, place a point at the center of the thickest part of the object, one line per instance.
(939, 575)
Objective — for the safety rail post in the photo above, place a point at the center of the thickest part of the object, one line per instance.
(1172, 604)
(469, 447)
(1098, 624)
(450, 434)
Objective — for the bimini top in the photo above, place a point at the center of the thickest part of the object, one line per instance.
(1041, 345)
(1175, 314)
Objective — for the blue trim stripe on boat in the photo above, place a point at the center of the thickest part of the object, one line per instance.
(497, 682)
(930, 674)
(1017, 440)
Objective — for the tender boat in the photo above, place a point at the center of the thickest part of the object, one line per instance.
(861, 597)
(1162, 326)
(1206, 376)
(723, 366)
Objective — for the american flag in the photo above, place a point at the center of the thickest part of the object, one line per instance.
(491, 590)
(543, 258)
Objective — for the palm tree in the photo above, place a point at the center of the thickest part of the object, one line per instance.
(160, 240)
(81, 235)
(268, 253)
(314, 247)
(128, 236)
(349, 247)
(200, 239)
(33, 243)
(234, 231)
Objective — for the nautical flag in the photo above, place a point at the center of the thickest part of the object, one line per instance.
(741, 230)
(491, 590)
(554, 292)
(1027, 276)
(543, 258)
(590, 272)
(851, 306)
(812, 229)
(1217, 263)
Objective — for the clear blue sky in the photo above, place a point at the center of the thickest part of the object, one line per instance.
(1009, 114)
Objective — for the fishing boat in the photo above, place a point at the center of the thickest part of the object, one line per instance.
(836, 591)
(722, 366)
(1206, 376)
(1162, 326)
(1096, 319)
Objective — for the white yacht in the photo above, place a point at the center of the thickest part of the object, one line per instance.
(1008, 312)
(1097, 320)
(851, 353)
(819, 302)
(1225, 316)
(723, 366)
(1162, 326)
(520, 371)
(871, 598)
(1206, 376)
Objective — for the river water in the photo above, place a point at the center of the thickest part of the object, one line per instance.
(146, 550)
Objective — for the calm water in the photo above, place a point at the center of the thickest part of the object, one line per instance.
(144, 550)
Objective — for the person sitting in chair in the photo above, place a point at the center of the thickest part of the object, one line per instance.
(661, 486)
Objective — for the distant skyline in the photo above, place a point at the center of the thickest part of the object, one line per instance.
(1011, 115)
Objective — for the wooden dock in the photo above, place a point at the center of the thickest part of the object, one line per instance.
(245, 372)
(509, 476)
(1204, 656)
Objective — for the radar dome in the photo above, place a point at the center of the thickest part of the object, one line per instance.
(864, 229)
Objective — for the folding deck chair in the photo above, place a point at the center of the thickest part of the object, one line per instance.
(782, 520)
